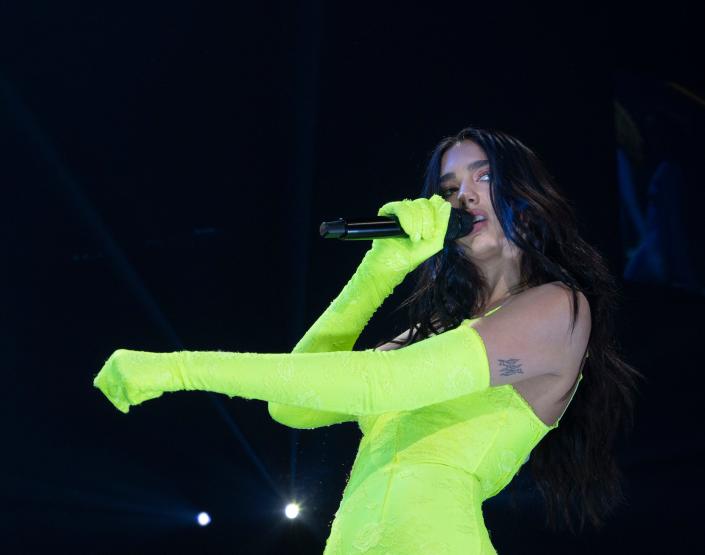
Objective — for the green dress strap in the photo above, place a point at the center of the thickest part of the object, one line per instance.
(493, 310)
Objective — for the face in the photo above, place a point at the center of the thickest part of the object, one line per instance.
(465, 183)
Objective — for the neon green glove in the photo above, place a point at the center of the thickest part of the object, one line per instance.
(361, 383)
(425, 221)
(384, 266)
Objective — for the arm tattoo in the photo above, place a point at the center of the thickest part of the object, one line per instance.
(510, 367)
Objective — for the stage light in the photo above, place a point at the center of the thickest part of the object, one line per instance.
(203, 519)
(292, 510)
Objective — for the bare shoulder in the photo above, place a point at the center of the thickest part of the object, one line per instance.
(550, 304)
(532, 335)
(558, 297)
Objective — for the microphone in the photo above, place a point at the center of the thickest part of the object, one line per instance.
(459, 224)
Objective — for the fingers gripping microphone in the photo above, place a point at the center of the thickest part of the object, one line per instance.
(459, 224)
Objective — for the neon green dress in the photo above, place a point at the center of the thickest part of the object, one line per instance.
(420, 476)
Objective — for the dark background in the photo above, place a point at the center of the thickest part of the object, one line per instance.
(164, 169)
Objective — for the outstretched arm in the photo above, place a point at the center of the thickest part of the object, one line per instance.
(359, 383)
(529, 338)
(383, 267)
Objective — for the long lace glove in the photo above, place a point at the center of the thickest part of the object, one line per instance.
(360, 383)
(383, 267)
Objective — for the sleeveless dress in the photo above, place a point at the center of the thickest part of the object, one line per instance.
(419, 478)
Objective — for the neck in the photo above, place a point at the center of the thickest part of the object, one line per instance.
(501, 279)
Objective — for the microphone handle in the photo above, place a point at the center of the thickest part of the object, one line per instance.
(459, 224)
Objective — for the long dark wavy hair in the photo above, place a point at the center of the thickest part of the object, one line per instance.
(574, 466)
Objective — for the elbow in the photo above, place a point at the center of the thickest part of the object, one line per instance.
(275, 412)
(278, 413)
(292, 417)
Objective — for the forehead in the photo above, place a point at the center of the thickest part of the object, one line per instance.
(460, 155)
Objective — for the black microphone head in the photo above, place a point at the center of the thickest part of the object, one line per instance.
(460, 224)
(333, 229)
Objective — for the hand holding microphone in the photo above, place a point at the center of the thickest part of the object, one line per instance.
(351, 229)
(421, 230)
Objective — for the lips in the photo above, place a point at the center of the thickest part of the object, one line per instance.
(478, 226)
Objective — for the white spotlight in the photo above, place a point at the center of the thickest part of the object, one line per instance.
(292, 510)
(203, 519)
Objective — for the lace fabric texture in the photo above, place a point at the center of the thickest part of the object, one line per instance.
(341, 324)
(384, 266)
(420, 477)
(361, 383)
(437, 438)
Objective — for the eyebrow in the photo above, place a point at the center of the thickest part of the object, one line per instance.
(472, 166)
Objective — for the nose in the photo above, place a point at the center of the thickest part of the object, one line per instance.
(467, 195)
